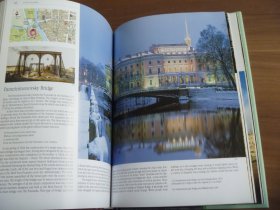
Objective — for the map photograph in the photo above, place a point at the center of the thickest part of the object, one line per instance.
(33, 24)
(29, 63)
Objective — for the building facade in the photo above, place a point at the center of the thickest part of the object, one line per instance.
(162, 66)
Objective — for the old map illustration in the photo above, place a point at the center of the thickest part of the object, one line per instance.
(43, 25)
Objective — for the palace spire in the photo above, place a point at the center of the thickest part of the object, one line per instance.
(188, 40)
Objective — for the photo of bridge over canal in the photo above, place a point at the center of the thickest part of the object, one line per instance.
(176, 101)
(40, 65)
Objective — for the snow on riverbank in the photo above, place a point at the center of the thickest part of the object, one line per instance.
(83, 135)
(97, 148)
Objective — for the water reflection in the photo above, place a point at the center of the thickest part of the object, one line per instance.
(193, 132)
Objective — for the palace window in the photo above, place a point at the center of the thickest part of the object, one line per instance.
(131, 66)
(150, 71)
(150, 62)
(158, 70)
(168, 61)
(158, 62)
(174, 61)
(151, 82)
(179, 61)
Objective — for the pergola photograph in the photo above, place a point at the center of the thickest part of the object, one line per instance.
(40, 64)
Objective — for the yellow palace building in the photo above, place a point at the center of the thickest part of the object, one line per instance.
(162, 66)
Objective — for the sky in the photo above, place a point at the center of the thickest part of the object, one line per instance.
(139, 34)
(95, 37)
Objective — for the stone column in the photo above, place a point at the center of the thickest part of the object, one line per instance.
(59, 71)
(19, 64)
(24, 61)
(54, 64)
(39, 68)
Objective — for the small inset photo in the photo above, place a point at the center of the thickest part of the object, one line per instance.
(29, 63)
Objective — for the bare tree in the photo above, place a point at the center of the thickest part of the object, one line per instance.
(214, 47)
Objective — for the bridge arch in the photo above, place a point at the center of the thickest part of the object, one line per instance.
(22, 65)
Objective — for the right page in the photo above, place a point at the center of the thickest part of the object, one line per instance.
(179, 133)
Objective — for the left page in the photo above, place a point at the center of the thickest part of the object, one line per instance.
(55, 114)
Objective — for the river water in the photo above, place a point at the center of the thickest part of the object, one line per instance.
(180, 132)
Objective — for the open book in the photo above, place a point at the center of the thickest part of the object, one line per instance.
(159, 113)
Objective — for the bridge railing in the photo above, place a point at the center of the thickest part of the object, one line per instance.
(218, 87)
(160, 88)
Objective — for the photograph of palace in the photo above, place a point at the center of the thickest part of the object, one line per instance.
(176, 99)
(40, 64)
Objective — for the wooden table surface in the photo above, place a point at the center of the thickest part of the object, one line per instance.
(262, 26)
